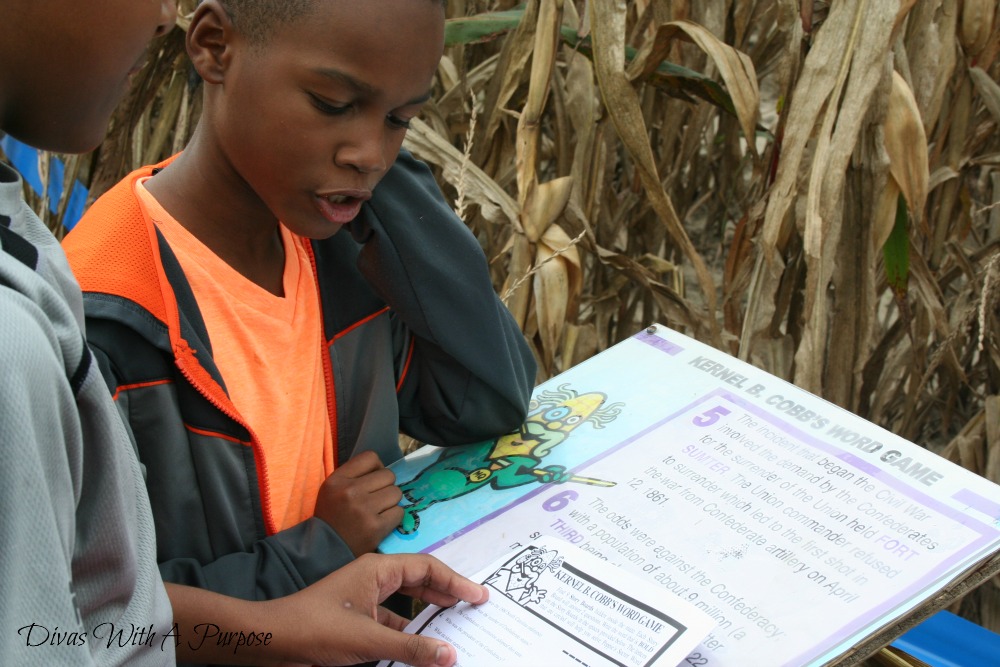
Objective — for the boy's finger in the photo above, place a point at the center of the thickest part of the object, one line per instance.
(413, 650)
(428, 579)
(390, 619)
(360, 464)
(385, 498)
(377, 479)
(391, 516)
(359, 487)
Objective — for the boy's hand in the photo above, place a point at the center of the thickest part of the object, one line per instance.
(351, 625)
(338, 620)
(360, 501)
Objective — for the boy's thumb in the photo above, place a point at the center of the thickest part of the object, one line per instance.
(418, 651)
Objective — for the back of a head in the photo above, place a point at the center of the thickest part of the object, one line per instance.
(65, 64)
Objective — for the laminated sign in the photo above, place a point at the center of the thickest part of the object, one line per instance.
(806, 534)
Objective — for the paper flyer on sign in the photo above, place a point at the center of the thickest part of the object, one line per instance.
(798, 527)
(553, 604)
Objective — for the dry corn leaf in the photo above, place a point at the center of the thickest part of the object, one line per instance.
(476, 79)
(959, 123)
(448, 74)
(988, 89)
(977, 24)
(558, 241)
(623, 107)
(941, 175)
(495, 204)
(884, 218)
(673, 305)
(172, 102)
(840, 75)
(927, 291)
(906, 144)
(582, 111)
(551, 292)
(992, 471)
(514, 292)
(543, 57)
(657, 263)
(735, 68)
(529, 123)
(970, 454)
(931, 47)
(546, 202)
(514, 56)
(824, 79)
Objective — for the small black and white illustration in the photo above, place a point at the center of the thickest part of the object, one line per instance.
(518, 579)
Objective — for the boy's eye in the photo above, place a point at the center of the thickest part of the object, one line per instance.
(396, 122)
(326, 107)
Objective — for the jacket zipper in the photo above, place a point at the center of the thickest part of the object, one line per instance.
(325, 348)
(259, 459)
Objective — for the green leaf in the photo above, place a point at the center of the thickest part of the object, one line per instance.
(896, 251)
(670, 78)
(481, 28)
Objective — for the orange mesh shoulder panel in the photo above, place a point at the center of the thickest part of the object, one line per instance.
(113, 250)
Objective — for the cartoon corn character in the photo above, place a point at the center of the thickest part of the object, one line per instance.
(510, 460)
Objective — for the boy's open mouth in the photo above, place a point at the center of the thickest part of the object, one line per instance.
(340, 208)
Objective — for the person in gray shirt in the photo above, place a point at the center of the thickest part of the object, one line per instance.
(78, 572)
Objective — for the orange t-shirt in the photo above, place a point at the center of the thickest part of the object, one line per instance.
(269, 351)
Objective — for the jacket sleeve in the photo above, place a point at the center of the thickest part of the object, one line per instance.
(276, 566)
(270, 567)
(470, 372)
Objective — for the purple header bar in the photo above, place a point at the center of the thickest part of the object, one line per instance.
(660, 344)
(977, 502)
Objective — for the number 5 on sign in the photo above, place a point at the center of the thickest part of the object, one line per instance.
(711, 416)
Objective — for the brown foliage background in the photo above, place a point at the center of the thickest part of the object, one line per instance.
(815, 189)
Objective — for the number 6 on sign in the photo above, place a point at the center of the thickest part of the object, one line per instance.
(559, 501)
(710, 416)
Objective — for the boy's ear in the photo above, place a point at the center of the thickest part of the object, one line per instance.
(210, 40)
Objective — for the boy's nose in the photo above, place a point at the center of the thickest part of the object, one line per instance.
(367, 152)
(168, 17)
(367, 160)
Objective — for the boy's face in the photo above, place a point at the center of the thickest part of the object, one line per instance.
(66, 64)
(313, 118)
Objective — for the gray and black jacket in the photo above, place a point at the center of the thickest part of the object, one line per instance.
(418, 342)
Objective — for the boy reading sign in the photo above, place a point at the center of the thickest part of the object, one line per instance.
(275, 304)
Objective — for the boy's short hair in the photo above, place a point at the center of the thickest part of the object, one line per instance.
(257, 19)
